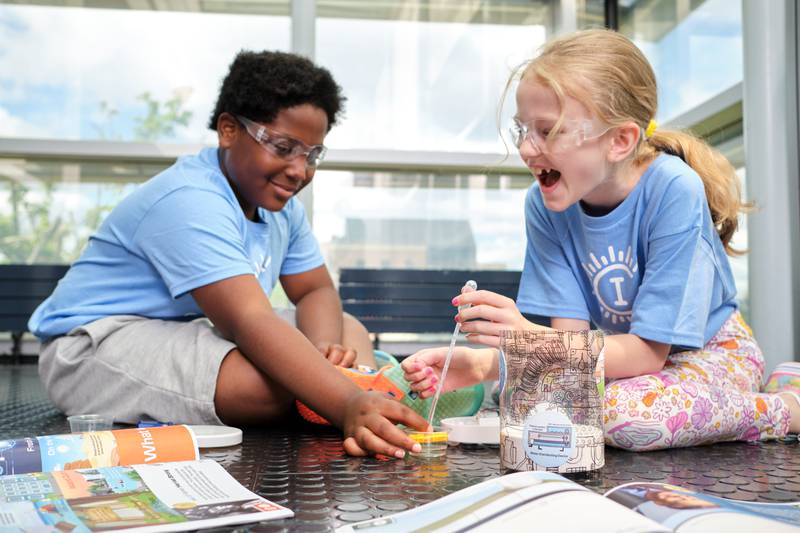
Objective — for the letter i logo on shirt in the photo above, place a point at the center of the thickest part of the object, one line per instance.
(613, 283)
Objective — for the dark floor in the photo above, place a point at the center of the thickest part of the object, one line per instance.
(303, 467)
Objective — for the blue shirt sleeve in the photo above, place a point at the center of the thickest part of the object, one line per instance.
(674, 299)
(193, 237)
(548, 286)
(304, 253)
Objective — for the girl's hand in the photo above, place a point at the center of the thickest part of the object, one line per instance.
(369, 426)
(468, 366)
(494, 313)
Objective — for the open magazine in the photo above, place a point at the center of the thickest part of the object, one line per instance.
(176, 496)
(545, 501)
(112, 480)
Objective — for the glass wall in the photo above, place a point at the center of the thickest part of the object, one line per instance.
(125, 90)
(695, 47)
(49, 208)
(122, 74)
(420, 220)
(430, 79)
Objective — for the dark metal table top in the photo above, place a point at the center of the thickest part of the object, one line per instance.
(303, 467)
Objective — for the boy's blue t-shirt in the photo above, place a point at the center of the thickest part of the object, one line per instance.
(180, 230)
(654, 266)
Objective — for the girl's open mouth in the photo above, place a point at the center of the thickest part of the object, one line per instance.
(548, 177)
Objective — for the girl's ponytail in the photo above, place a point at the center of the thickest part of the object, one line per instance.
(723, 190)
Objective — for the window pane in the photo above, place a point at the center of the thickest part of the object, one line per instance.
(120, 74)
(48, 209)
(695, 47)
(423, 221)
(425, 75)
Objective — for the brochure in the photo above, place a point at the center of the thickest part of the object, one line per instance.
(97, 449)
(176, 496)
(546, 501)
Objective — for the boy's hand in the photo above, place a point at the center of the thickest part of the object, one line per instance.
(369, 426)
(467, 367)
(337, 354)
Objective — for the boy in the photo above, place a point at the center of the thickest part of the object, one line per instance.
(124, 332)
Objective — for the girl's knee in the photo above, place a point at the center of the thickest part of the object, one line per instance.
(632, 412)
(636, 435)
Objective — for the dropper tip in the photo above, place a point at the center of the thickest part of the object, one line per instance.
(472, 284)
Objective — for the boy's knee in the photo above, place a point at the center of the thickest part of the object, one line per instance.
(245, 395)
(354, 325)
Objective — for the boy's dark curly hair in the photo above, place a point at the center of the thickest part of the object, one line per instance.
(260, 84)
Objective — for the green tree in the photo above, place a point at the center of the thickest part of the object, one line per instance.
(160, 119)
(36, 230)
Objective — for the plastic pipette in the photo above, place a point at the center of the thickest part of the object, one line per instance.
(472, 285)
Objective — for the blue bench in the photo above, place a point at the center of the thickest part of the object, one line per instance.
(22, 289)
(414, 301)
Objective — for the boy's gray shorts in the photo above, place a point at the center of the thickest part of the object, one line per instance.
(134, 368)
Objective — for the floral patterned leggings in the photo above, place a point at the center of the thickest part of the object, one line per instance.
(699, 397)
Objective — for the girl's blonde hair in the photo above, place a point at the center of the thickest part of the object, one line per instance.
(607, 73)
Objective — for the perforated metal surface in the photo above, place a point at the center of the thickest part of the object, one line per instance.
(304, 468)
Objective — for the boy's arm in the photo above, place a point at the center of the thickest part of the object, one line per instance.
(240, 310)
(319, 309)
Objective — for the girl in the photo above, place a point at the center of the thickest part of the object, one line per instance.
(628, 227)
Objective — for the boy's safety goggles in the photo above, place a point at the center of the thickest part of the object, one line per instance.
(281, 145)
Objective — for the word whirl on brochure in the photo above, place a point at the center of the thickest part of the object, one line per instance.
(97, 449)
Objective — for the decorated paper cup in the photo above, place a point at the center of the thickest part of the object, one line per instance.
(433, 443)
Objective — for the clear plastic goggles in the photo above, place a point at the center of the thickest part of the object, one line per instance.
(550, 137)
(283, 146)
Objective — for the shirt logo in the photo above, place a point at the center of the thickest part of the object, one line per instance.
(613, 283)
(261, 266)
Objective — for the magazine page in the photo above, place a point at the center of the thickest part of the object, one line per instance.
(686, 511)
(97, 449)
(514, 503)
(163, 497)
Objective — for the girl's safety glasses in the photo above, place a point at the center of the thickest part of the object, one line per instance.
(571, 133)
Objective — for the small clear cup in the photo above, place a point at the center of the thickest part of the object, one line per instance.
(89, 422)
(433, 443)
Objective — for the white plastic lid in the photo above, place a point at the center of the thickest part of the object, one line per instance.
(216, 436)
(473, 429)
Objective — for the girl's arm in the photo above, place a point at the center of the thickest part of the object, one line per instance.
(629, 355)
(467, 367)
(626, 355)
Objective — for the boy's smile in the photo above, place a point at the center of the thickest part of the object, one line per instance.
(258, 176)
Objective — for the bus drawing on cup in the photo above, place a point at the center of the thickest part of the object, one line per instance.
(552, 437)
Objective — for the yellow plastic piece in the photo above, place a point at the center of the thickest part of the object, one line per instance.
(428, 438)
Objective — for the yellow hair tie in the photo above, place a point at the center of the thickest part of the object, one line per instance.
(651, 128)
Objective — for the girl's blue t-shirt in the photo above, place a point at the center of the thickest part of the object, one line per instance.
(180, 230)
(654, 266)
